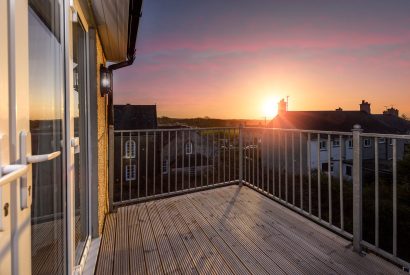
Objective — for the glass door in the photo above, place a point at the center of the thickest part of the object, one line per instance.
(79, 112)
(46, 113)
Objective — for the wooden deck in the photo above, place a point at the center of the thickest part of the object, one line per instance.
(228, 230)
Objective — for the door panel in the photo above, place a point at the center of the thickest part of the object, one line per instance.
(46, 72)
(80, 136)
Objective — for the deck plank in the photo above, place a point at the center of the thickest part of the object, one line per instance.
(167, 255)
(309, 232)
(105, 261)
(182, 255)
(227, 230)
(137, 257)
(152, 257)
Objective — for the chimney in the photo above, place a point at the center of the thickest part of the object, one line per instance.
(282, 107)
(391, 112)
(365, 107)
(339, 109)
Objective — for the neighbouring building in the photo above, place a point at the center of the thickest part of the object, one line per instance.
(341, 146)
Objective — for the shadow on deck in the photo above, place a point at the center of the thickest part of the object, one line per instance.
(228, 230)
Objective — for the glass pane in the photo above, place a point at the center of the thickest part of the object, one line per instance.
(81, 189)
(46, 126)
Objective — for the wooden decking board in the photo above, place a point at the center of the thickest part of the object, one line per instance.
(283, 253)
(277, 257)
(152, 258)
(270, 266)
(246, 257)
(181, 253)
(106, 256)
(201, 260)
(121, 255)
(167, 256)
(223, 231)
(293, 250)
(340, 255)
(308, 234)
(137, 256)
(234, 262)
(208, 247)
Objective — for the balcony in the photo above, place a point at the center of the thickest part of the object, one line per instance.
(255, 200)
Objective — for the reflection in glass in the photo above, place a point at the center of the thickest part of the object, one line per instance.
(80, 124)
(46, 127)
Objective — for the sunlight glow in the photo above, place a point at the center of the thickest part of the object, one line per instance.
(270, 107)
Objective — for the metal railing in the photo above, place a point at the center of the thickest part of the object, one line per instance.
(332, 178)
(157, 163)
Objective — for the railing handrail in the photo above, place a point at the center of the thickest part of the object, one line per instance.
(174, 129)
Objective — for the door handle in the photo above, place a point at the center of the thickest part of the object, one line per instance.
(41, 158)
(12, 172)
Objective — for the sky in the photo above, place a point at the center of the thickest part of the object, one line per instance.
(237, 58)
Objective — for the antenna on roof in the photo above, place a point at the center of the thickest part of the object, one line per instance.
(287, 103)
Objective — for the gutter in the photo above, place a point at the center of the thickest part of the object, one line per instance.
(134, 15)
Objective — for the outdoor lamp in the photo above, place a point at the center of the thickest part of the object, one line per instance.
(105, 80)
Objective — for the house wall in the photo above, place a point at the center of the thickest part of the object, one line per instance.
(102, 113)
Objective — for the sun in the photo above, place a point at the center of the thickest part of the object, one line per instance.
(270, 107)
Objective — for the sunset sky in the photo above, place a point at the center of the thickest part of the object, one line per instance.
(236, 58)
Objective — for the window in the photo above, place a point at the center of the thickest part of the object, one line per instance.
(349, 170)
(350, 144)
(367, 142)
(323, 145)
(382, 140)
(130, 172)
(325, 167)
(188, 148)
(391, 142)
(165, 167)
(336, 143)
(130, 149)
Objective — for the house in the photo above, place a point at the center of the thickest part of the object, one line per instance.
(56, 64)
(135, 117)
(341, 146)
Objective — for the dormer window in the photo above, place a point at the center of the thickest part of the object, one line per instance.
(188, 148)
(130, 149)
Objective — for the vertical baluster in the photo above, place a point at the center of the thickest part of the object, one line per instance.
(207, 158)
(183, 148)
(257, 158)
(162, 162)
(262, 162)
(155, 154)
(169, 161)
(122, 171)
(146, 164)
(195, 155)
(376, 192)
(267, 154)
(273, 163)
(224, 156)
(329, 176)
(130, 165)
(189, 159)
(219, 156)
(176, 161)
(253, 158)
(341, 142)
(319, 194)
(236, 138)
(286, 151)
(394, 160)
(293, 169)
(138, 164)
(213, 157)
(309, 164)
(229, 155)
(279, 164)
(200, 153)
(301, 169)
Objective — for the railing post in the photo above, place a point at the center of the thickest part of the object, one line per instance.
(111, 143)
(357, 188)
(240, 155)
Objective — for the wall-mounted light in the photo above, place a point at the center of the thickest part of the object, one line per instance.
(105, 80)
